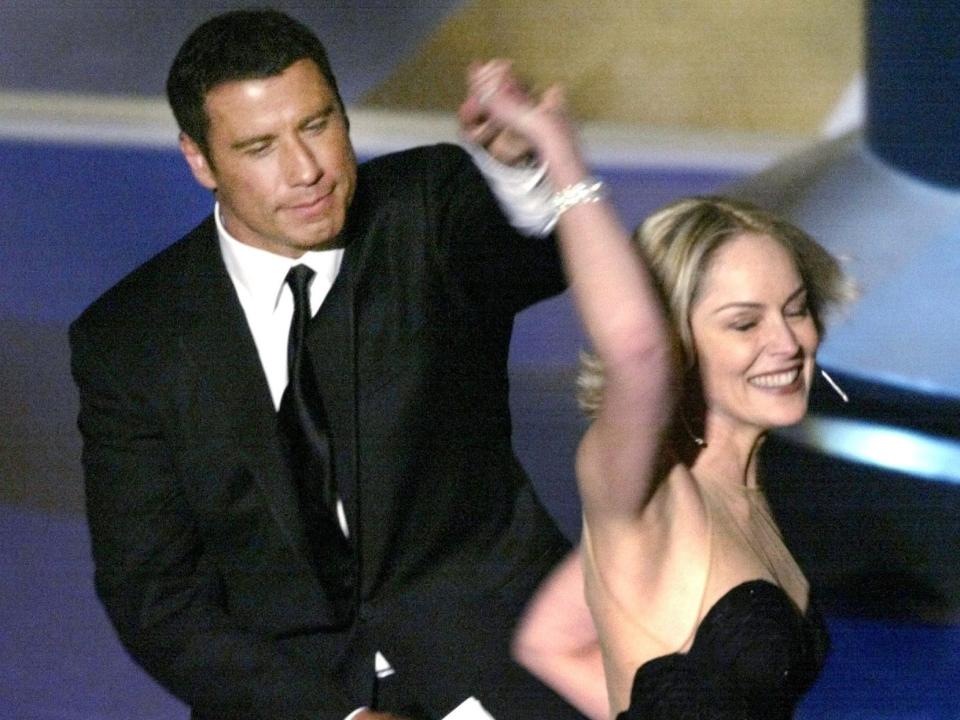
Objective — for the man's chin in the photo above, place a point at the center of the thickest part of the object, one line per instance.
(323, 240)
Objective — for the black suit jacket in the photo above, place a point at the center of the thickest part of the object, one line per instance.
(200, 552)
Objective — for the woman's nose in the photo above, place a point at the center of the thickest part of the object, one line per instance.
(783, 338)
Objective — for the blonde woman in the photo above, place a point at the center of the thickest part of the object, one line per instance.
(705, 328)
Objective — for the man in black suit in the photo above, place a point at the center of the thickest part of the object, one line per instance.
(205, 545)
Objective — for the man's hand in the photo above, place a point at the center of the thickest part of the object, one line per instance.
(479, 126)
(377, 715)
(513, 125)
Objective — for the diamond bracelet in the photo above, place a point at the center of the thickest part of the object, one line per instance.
(588, 190)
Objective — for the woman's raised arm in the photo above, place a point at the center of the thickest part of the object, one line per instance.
(615, 295)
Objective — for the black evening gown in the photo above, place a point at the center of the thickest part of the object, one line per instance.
(753, 657)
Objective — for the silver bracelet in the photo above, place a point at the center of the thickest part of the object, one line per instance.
(588, 190)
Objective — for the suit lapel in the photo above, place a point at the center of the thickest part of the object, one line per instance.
(225, 380)
(331, 340)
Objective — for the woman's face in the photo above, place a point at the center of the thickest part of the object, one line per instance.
(754, 335)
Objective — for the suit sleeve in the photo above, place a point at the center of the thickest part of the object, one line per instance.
(158, 587)
(494, 263)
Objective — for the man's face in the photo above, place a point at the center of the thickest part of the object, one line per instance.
(279, 159)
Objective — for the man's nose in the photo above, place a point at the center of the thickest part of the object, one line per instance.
(301, 165)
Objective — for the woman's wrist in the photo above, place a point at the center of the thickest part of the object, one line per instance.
(583, 192)
(557, 149)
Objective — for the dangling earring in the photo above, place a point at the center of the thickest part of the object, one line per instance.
(697, 440)
(692, 398)
(833, 384)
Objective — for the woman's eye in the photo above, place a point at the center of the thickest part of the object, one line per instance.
(744, 325)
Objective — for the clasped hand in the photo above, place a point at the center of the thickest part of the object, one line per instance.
(501, 115)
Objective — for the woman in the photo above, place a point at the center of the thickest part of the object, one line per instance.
(699, 608)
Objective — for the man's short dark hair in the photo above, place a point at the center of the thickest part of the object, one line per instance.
(237, 45)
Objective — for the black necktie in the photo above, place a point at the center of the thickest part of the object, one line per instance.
(304, 426)
(301, 409)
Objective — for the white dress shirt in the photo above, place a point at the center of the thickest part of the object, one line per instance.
(259, 277)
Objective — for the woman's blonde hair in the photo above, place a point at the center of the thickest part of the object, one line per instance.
(679, 241)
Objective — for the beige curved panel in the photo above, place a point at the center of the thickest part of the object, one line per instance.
(754, 65)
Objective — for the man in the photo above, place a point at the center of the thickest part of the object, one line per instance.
(204, 537)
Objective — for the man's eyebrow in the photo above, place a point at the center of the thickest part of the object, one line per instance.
(321, 114)
(255, 140)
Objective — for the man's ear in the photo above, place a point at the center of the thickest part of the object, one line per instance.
(199, 165)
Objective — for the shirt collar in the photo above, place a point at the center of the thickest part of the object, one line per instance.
(261, 274)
